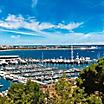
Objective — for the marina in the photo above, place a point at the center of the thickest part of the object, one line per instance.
(23, 72)
(15, 68)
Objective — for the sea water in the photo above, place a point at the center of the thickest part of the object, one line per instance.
(6, 84)
(48, 54)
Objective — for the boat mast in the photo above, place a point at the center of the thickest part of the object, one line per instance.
(72, 56)
(42, 57)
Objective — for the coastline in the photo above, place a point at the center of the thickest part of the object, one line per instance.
(45, 49)
(66, 47)
(34, 49)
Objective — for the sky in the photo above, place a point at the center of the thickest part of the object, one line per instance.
(51, 22)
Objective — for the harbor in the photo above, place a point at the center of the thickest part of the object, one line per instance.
(43, 70)
(16, 69)
(20, 70)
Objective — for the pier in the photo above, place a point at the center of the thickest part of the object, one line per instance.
(81, 60)
(16, 69)
(17, 78)
(35, 72)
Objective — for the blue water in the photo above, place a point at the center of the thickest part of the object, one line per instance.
(5, 84)
(47, 54)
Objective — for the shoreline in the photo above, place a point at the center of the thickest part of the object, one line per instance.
(34, 49)
(47, 49)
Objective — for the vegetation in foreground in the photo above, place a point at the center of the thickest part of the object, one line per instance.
(89, 89)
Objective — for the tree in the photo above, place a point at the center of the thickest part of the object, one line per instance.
(69, 94)
(100, 74)
(79, 96)
(87, 79)
(94, 99)
(66, 93)
(4, 100)
(28, 93)
(92, 79)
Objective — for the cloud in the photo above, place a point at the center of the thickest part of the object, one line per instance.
(20, 32)
(12, 22)
(15, 24)
(34, 3)
(18, 22)
(69, 26)
(74, 38)
(15, 36)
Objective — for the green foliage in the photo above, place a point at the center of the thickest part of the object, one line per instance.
(4, 100)
(92, 78)
(93, 99)
(68, 94)
(28, 93)
(63, 86)
(79, 96)
(64, 90)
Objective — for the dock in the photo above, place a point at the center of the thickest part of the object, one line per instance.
(17, 69)
(17, 78)
(37, 73)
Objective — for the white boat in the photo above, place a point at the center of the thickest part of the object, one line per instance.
(15, 80)
(83, 48)
(93, 47)
(1, 85)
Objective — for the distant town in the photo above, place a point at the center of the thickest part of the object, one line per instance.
(45, 47)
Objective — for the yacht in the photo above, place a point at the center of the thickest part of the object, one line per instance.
(93, 47)
(83, 48)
